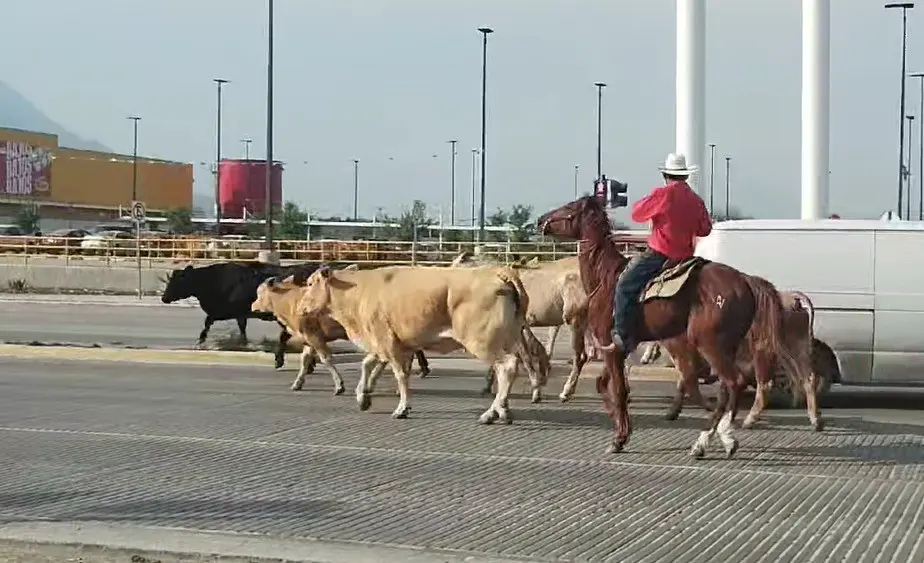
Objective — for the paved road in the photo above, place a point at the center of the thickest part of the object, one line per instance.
(107, 321)
(232, 450)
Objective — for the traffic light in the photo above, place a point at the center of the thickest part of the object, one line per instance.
(600, 190)
(618, 192)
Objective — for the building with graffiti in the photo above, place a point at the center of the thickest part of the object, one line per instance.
(73, 186)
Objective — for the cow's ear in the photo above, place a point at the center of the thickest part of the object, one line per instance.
(300, 277)
(271, 282)
(325, 272)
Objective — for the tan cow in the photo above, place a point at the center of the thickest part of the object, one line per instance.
(281, 298)
(392, 311)
(556, 297)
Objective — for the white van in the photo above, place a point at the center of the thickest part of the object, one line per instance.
(865, 279)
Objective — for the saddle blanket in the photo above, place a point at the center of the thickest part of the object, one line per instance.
(669, 281)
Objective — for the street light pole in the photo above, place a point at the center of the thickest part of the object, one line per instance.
(727, 187)
(246, 148)
(355, 189)
(920, 77)
(135, 119)
(452, 183)
(600, 86)
(474, 185)
(484, 118)
(904, 6)
(268, 187)
(909, 176)
(576, 168)
(220, 82)
(712, 179)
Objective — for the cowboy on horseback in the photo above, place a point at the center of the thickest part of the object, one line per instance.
(677, 216)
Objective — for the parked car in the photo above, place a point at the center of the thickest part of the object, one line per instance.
(62, 240)
(107, 242)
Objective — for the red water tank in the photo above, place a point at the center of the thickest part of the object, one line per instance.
(242, 184)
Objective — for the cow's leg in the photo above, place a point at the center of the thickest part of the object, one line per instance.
(553, 334)
(304, 359)
(364, 387)
(488, 381)
(327, 358)
(242, 328)
(422, 363)
(282, 346)
(209, 321)
(763, 378)
(505, 371)
(578, 359)
(374, 376)
(401, 367)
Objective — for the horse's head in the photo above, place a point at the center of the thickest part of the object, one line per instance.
(575, 220)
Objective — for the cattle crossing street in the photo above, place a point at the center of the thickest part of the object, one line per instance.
(144, 447)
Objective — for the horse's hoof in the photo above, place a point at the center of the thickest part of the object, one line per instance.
(819, 425)
(536, 399)
(338, 391)
(400, 415)
(365, 402)
(697, 452)
(748, 423)
(278, 363)
(614, 448)
(488, 417)
(730, 449)
(424, 372)
(564, 398)
(295, 387)
(672, 415)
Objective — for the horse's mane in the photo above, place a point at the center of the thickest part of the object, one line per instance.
(605, 258)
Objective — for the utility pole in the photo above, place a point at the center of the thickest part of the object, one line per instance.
(712, 179)
(355, 189)
(484, 117)
(452, 183)
(576, 167)
(220, 82)
(135, 119)
(727, 187)
(600, 86)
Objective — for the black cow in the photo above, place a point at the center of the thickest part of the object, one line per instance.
(227, 290)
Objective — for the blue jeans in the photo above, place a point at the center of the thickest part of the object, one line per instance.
(628, 289)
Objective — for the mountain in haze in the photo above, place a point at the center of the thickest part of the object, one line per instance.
(19, 113)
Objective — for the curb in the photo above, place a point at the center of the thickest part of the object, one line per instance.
(261, 359)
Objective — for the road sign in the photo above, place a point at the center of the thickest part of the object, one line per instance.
(138, 211)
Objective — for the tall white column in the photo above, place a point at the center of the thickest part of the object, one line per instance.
(816, 106)
(691, 86)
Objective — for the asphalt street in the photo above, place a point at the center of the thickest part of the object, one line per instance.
(98, 447)
(113, 321)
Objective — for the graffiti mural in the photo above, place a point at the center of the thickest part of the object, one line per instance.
(24, 170)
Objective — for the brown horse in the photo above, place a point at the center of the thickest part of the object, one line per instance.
(709, 316)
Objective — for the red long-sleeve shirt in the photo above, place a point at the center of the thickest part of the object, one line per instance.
(678, 215)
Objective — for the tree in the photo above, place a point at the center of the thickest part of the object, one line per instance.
(415, 217)
(499, 218)
(521, 219)
(179, 220)
(293, 222)
(28, 218)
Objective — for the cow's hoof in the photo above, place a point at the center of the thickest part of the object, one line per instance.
(564, 398)
(672, 415)
(819, 425)
(488, 417)
(296, 386)
(748, 423)
(537, 397)
(697, 451)
(505, 417)
(339, 390)
(402, 414)
(279, 363)
(731, 448)
(365, 401)
(424, 372)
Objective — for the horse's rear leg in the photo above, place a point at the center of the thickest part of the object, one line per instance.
(723, 417)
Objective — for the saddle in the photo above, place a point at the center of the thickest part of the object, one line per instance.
(671, 279)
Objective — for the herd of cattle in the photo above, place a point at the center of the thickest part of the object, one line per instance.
(395, 313)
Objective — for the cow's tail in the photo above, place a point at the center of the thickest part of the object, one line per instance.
(766, 332)
(526, 346)
(806, 304)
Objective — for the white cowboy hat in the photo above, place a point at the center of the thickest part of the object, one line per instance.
(676, 165)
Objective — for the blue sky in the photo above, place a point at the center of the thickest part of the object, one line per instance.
(389, 82)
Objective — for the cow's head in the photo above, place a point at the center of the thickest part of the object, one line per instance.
(179, 284)
(267, 290)
(315, 300)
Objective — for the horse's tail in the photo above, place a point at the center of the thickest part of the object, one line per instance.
(766, 332)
